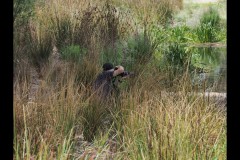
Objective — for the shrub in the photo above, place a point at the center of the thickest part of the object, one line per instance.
(113, 55)
(141, 48)
(211, 17)
(22, 10)
(175, 62)
(209, 26)
(207, 33)
(95, 117)
(39, 45)
(99, 24)
(179, 34)
(73, 53)
(176, 55)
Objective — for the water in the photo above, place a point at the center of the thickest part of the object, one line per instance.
(209, 68)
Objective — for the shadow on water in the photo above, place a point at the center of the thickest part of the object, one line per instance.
(209, 67)
(205, 63)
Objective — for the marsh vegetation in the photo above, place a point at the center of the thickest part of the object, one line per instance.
(174, 48)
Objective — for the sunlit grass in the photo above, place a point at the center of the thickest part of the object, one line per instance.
(146, 121)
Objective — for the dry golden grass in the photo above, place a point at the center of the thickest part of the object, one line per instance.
(144, 122)
(148, 123)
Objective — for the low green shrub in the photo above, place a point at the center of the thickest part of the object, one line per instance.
(180, 34)
(73, 53)
(207, 33)
(211, 17)
(209, 26)
(112, 54)
(176, 55)
(140, 49)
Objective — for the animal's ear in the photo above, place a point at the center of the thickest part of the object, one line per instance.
(116, 68)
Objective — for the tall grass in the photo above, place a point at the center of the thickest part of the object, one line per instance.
(143, 122)
(149, 12)
(148, 123)
(209, 26)
(47, 124)
(167, 133)
(95, 26)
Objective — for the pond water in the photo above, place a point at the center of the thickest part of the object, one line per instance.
(206, 64)
(210, 68)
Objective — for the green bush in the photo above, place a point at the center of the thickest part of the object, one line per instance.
(22, 10)
(174, 62)
(211, 17)
(207, 33)
(176, 55)
(209, 26)
(113, 54)
(73, 53)
(95, 117)
(179, 34)
(141, 48)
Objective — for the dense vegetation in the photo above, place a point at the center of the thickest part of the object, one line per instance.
(59, 48)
